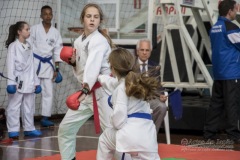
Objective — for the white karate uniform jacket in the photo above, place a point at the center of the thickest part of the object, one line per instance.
(46, 45)
(20, 65)
(91, 60)
(133, 134)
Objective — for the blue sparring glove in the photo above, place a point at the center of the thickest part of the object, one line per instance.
(109, 101)
(38, 89)
(58, 78)
(11, 89)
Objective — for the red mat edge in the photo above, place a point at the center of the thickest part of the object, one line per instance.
(166, 151)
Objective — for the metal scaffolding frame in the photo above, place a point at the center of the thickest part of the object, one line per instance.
(190, 51)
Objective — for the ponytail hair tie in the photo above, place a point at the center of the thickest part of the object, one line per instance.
(129, 71)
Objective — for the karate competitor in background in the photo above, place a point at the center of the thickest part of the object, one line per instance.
(22, 82)
(47, 44)
(91, 59)
(133, 130)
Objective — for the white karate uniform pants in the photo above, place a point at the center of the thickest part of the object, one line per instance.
(107, 146)
(47, 96)
(73, 120)
(20, 103)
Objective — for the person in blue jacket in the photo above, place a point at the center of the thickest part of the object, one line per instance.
(225, 43)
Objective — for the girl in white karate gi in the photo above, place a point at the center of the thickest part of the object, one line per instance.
(91, 59)
(22, 81)
(133, 130)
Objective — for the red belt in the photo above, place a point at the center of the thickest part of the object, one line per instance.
(95, 108)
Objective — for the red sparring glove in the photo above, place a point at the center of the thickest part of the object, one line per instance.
(66, 54)
(73, 102)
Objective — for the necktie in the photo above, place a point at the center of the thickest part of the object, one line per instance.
(143, 67)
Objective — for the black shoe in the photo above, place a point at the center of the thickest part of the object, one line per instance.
(235, 141)
(74, 158)
(212, 137)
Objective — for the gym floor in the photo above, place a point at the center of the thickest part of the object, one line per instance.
(47, 144)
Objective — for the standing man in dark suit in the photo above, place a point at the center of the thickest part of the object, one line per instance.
(158, 106)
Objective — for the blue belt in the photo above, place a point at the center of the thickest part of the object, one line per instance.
(109, 101)
(43, 60)
(140, 115)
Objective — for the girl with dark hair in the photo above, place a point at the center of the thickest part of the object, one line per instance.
(133, 130)
(22, 81)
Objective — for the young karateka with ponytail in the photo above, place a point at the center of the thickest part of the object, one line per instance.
(133, 129)
(22, 82)
(90, 59)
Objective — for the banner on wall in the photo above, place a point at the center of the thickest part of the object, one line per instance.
(186, 4)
